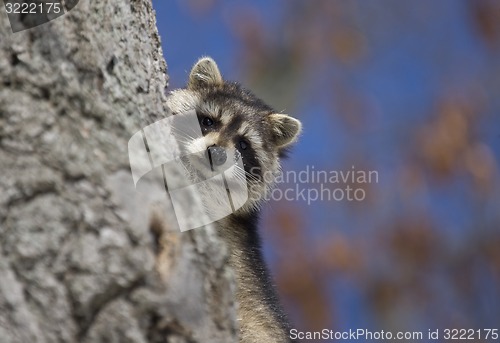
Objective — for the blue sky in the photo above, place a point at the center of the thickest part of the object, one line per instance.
(418, 53)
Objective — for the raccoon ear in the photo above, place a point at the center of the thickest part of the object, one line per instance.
(286, 129)
(204, 73)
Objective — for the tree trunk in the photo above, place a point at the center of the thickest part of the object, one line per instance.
(84, 255)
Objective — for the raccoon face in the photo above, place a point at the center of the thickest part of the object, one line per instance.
(238, 130)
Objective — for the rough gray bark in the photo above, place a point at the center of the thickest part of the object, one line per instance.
(84, 256)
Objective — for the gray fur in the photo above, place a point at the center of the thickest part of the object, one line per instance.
(239, 116)
(204, 73)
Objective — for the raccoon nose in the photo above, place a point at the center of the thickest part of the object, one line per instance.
(217, 155)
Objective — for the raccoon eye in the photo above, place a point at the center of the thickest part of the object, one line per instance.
(206, 121)
(243, 145)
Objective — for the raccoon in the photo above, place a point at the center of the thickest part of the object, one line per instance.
(239, 127)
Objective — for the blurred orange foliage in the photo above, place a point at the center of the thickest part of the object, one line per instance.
(415, 260)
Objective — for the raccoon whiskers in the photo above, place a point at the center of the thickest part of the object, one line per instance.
(243, 175)
(181, 136)
(237, 126)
